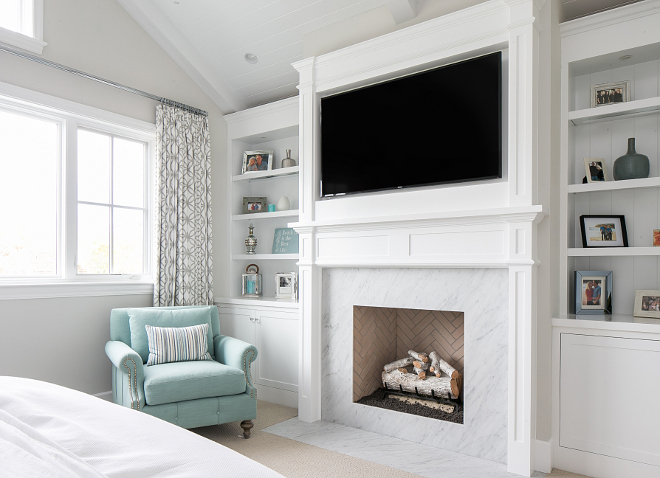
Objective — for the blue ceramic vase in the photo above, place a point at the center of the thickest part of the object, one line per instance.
(631, 165)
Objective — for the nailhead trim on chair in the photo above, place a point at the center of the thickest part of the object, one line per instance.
(247, 369)
(130, 390)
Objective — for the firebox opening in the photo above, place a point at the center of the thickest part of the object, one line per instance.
(409, 360)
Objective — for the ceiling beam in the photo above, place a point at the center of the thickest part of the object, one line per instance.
(402, 10)
(169, 38)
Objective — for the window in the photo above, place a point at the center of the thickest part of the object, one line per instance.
(75, 191)
(21, 24)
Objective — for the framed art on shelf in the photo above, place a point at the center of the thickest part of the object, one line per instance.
(286, 285)
(593, 292)
(254, 204)
(595, 170)
(257, 161)
(647, 303)
(603, 231)
(610, 93)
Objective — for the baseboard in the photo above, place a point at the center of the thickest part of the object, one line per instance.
(543, 456)
(278, 396)
(602, 466)
(105, 395)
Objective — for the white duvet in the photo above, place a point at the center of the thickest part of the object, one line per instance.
(51, 431)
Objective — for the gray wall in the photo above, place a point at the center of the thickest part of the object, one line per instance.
(61, 340)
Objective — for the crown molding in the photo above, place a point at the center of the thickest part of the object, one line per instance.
(610, 17)
(167, 36)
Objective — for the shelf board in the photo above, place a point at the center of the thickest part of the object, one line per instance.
(614, 322)
(265, 215)
(264, 257)
(614, 185)
(260, 301)
(605, 113)
(612, 251)
(252, 175)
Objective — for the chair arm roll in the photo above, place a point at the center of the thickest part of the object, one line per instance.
(125, 359)
(235, 353)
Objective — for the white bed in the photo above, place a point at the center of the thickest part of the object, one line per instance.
(51, 431)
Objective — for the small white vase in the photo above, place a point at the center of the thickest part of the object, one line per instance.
(283, 204)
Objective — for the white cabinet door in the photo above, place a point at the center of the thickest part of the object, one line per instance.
(609, 389)
(277, 342)
(238, 323)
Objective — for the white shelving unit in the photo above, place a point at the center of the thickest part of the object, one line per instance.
(602, 132)
(272, 127)
(592, 433)
(270, 324)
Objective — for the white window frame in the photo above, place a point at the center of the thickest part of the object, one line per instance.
(71, 116)
(31, 36)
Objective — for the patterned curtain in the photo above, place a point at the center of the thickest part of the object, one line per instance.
(184, 251)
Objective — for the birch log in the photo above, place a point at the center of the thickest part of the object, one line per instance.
(420, 373)
(438, 387)
(438, 363)
(422, 365)
(422, 357)
(398, 364)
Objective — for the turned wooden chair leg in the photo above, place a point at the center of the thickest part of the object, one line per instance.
(246, 425)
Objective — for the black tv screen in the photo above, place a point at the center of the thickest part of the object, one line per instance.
(439, 126)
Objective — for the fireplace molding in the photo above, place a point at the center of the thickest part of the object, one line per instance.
(492, 224)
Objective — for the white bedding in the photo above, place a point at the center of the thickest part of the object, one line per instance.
(51, 431)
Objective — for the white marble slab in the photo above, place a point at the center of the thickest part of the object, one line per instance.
(403, 455)
(482, 294)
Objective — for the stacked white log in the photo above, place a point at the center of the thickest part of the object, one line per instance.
(396, 375)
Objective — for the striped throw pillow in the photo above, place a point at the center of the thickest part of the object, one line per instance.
(177, 344)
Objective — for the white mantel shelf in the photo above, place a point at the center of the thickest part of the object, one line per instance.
(464, 217)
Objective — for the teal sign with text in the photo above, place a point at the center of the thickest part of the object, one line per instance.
(285, 241)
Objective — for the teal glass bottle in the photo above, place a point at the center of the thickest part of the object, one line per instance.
(631, 165)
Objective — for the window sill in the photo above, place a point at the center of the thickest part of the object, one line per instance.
(21, 41)
(49, 290)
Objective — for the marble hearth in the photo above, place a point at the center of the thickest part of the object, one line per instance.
(482, 294)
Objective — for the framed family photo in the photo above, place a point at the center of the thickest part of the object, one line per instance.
(593, 292)
(254, 204)
(595, 170)
(603, 231)
(610, 93)
(257, 161)
(647, 303)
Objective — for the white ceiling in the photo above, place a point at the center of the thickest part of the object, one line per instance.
(209, 38)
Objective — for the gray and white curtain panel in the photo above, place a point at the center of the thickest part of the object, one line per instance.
(184, 251)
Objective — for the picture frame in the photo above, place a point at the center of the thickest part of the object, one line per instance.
(285, 241)
(253, 205)
(286, 285)
(595, 170)
(254, 161)
(656, 237)
(610, 93)
(593, 292)
(647, 303)
(603, 231)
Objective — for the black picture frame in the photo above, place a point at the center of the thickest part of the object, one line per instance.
(587, 222)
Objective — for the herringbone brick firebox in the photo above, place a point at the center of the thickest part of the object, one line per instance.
(382, 335)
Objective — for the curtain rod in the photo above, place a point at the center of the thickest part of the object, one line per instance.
(59, 66)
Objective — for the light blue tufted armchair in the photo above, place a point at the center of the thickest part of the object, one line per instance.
(188, 394)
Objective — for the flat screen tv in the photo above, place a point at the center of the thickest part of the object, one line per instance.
(435, 127)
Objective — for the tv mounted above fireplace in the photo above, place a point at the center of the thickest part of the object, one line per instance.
(435, 127)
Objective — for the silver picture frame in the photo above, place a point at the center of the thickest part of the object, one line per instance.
(610, 93)
(256, 161)
(647, 304)
(589, 283)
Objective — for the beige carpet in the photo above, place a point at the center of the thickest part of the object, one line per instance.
(299, 460)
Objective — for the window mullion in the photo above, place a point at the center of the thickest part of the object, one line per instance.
(70, 210)
(112, 203)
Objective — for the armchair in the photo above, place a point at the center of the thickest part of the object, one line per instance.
(188, 394)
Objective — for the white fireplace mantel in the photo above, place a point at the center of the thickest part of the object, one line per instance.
(492, 224)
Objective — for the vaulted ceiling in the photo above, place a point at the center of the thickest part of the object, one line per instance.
(211, 38)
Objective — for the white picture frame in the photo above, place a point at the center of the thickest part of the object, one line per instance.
(286, 285)
(255, 161)
(647, 303)
(595, 168)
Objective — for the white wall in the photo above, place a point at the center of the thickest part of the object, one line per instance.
(61, 340)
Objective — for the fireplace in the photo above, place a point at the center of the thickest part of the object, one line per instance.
(384, 336)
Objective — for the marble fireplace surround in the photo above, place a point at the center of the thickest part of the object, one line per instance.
(482, 294)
